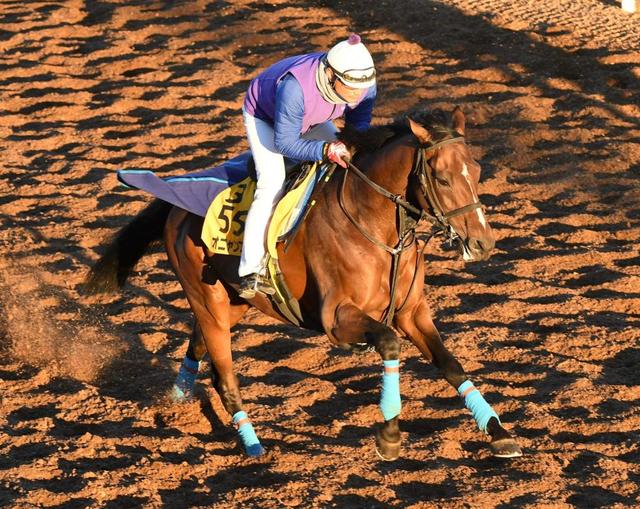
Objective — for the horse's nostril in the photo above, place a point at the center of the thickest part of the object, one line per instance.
(482, 245)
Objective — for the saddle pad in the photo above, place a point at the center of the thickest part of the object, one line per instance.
(223, 228)
(289, 209)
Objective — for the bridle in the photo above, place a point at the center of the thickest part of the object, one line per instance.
(408, 216)
(426, 177)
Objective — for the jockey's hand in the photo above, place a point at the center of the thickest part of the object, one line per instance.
(337, 152)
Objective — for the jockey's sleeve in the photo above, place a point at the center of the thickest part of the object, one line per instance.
(360, 116)
(287, 123)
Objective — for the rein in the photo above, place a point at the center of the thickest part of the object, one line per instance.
(401, 207)
(406, 225)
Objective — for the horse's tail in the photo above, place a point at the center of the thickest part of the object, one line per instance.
(111, 271)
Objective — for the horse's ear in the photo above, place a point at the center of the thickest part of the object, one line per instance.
(457, 120)
(420, 132)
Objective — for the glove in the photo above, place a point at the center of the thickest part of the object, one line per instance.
(337, 152)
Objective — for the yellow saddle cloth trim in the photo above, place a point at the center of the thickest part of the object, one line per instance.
(287, 211)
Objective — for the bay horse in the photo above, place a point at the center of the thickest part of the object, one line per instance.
(354, 266)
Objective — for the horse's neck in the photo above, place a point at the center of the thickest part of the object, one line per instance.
(389, 167)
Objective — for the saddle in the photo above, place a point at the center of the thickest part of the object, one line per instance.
(223, 229)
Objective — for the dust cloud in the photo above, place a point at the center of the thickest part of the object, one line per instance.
(43, 325)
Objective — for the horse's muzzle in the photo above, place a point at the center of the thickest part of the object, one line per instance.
(476, 249)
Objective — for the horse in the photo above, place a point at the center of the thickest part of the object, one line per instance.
(355, 266)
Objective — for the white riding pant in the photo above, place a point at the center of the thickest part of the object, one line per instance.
(270, 171)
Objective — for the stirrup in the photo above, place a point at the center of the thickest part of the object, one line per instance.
(252, 284)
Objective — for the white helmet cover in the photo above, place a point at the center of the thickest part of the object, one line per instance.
(352, 63)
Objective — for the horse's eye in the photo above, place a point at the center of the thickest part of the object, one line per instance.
(442, 181)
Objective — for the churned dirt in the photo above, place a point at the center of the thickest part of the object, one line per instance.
(548, 328)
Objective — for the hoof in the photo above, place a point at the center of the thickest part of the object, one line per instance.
(357, 348)
(360, 348)
(505, 448)
(255, 450)
(388, 451)
(177, 395)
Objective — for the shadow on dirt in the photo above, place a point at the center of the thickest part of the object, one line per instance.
(184, 47)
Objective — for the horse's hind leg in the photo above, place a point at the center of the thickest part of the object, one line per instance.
(213, 312)
(182, 389)
(353, 326)
(419, 327)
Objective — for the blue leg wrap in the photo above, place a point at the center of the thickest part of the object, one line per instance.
(480, 409)
(183, 385)
(390, 403)
(247, 434)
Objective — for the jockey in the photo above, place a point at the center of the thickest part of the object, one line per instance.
(288, 112)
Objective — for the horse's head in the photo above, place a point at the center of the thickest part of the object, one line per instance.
(446, 185)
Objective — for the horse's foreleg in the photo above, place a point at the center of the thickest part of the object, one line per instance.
(420, 329)
(352, 325)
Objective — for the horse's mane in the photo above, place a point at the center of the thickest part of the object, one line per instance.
(436, 122)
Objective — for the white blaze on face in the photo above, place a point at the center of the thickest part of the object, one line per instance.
(467, 176)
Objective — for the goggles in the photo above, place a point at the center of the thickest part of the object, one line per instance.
(349, 77)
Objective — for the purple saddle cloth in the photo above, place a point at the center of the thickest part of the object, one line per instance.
(192, 191)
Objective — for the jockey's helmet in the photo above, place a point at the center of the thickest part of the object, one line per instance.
(352, 63)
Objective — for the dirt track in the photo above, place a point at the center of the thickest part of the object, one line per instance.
(548, 327)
